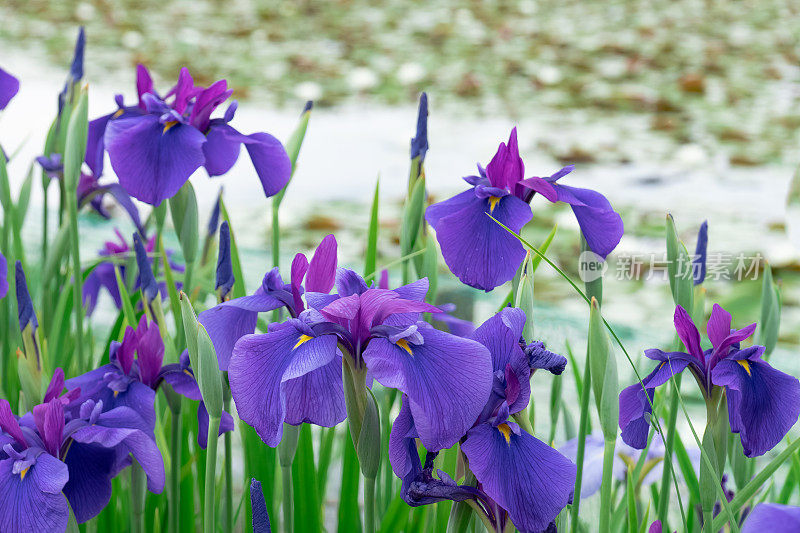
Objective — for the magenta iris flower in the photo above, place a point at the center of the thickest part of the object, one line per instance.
(134, 374)
(9, 87)
(156, 145)
(484, 255)
(293, 373)
(763, 403)
(519, 477)
(64, 455)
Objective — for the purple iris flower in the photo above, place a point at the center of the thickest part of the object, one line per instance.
(102, 276)
(157, 144)
(57, 454)
(484, 255)
(293, 373)
(229, 321)
(90, 192)
(519, 477)
(134, 374)
(772, 517)
(763, 403)
(9, 87)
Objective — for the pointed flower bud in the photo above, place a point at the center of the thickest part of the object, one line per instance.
(147, 282)
(25, 311)
(419, 144)
(225, 277)
(700, 254)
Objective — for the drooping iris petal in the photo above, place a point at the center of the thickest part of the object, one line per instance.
(258, 508)
(9, 87)
(539, 357)
(529, 479)
(260, 366)
(317, 397)
(772, 517)
(101, 276)
(601, 226)
(403, 455)
(95, 144)
(594, 446)
(229, 321)
(222, 147)
(152, 160)
(477, 250)
(35, 502)
(112, 431)
(447, 380)
(634, 408)
(763, 403)
(89, 487)
(269, 158)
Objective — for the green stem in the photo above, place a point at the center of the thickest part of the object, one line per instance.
(228, 466)
(605, 489)
(276, 232)
(211, 467)
(669, 444)
(175, 473)
(72, 205)
(288, 504)
(369, 505)
(582, 426)
(138, 485)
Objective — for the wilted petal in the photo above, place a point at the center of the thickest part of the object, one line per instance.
(447, 380)
(35, 502)
(529, 479)
(763, 403)
(151, 160)
(477, 250)
(260, 366)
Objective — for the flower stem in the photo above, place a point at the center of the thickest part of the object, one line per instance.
(369, 505)
(77, 291)
(211, 466)
(669, 443)
(582, 427)
(175, 462)
(288, 504)
(138, 484)
(228, 467)
(605, 489)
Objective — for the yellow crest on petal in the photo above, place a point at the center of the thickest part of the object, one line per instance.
(493, 203)
(302, 340)
(746, 365)
(506, 431)
(404, 345)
